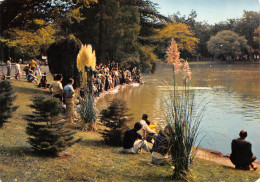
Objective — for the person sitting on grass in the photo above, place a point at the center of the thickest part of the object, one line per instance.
(31, 77)
(56, 87)
(242, 156)
(43, 82)
(161, 147)
(146, 131)
(132, 142)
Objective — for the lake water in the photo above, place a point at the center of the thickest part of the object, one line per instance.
(231, 93)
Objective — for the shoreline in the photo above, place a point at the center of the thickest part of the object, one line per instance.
(202, 153)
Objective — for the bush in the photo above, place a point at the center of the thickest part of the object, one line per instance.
(47, 134)
(115, 119)
(62, 59)
(6, 102)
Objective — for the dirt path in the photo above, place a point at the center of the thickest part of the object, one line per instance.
(219, 158)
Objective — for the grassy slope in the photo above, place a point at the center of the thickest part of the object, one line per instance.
(89, 160)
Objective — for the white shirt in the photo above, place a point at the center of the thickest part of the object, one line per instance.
(17, 68)
(145, 127)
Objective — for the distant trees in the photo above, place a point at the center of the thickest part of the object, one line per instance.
(227, 44)
(6, 102)
(29, 44)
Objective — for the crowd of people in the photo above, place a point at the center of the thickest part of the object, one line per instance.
(105, 77)
(31, 70)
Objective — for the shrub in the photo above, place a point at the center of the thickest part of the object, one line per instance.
(62, 59)
(6, 102)
(115, 118)
(47, 134)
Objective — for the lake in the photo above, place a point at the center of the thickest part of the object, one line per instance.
(231, 93)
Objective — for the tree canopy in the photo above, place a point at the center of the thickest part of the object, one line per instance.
(227, 43)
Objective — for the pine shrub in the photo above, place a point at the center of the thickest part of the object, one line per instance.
(6, 102)
(47, 134)
(115, 118)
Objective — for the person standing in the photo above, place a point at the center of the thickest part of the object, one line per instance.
(18, 70)
(9, 67)
(33, 65)
(69, 99)
(242, 156)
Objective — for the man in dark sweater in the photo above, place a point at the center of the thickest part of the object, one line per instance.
(242, 156)
(132, 142)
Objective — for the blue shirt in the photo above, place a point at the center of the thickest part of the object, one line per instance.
(68, 90)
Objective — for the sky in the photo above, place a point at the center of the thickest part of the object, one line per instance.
(211, 11)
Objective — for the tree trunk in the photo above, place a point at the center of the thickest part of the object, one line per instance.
(102, 35)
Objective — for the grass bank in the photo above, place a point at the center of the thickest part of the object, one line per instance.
(89, 160)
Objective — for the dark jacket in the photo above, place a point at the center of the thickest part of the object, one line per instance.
(161, 144)
(130, 137)
(241, 152)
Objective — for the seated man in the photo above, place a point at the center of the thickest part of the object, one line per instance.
(31, 77)
(132, 142)
(161, 148)
(146, 132)
(242, 156)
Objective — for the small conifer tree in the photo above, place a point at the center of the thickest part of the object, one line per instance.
(47, 134)
(115, 118)
(6, 102)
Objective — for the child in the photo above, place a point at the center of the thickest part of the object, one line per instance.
(43, 82)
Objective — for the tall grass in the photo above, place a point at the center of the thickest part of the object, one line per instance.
(183, 119)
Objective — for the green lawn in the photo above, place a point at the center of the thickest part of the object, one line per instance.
(89, 160)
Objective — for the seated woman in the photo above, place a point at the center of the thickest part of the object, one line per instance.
(132, 142)
(161, 148)
(31, 77)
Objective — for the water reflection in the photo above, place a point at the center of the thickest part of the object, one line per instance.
(231, 91)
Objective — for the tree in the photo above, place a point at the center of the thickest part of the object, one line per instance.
(227, 44)
(6, 101)
(246, 26)
(115, 119)
(181, 34)
(64, 52)
(47, 134)
(30, 44)
(257, 38)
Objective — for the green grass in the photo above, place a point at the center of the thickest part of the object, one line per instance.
(89, 160)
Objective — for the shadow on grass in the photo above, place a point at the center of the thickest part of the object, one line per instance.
(21, 151)
(29, 90)
(94, 143)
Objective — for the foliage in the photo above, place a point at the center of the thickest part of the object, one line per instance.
(257, 37)
(87, 111)
(86, 57)
(227, 43)
(30, 44)
(181, 33)
(6, 101)
(114, 118)
(47, 135)
(64, 52)
(18, 14)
